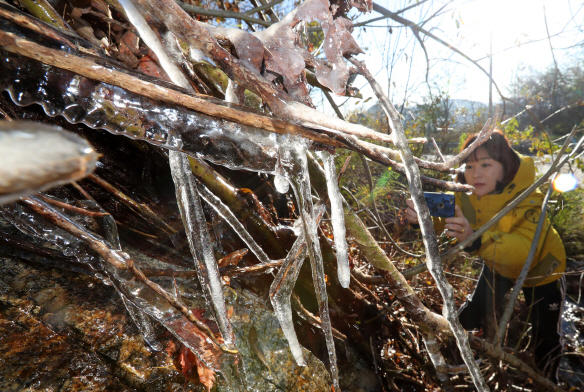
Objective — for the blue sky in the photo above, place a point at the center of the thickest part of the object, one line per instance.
(466, 25)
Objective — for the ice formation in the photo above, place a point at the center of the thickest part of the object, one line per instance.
(294, 152)
(337, 218)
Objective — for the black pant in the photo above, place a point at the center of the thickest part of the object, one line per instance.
(547, 300)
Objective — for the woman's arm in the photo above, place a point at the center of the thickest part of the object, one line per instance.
(509, 242)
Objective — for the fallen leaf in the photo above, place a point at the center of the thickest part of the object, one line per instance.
(232, 258)
(206, 375)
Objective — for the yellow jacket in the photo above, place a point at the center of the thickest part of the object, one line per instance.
(505, 245)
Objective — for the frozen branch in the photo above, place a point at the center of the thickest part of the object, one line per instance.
(427, 228)
(116, 258)
(192, 9)
(531, 255)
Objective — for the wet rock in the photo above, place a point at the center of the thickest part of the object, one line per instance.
(283, 373)
(64, 331)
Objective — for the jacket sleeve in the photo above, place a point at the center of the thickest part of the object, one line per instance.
(507, 246)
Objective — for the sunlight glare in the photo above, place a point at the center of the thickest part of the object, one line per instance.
(565, 182)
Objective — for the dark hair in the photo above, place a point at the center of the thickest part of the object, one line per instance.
(499, 149)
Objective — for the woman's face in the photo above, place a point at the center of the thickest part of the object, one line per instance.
(483, 173)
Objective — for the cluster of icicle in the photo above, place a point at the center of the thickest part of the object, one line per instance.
(183, 131)
(291, 166)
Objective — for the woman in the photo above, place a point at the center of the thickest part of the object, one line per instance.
(498, 174)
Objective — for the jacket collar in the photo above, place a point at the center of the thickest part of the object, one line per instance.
(523, 179)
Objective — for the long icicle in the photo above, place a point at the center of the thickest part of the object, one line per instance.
(186, 190)
(337, 218)
(193, 217)
(235, 224)
(280, 292)
(282, 286)
(297, 172)
(428, 234)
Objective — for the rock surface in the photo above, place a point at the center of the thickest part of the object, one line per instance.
(64, 331)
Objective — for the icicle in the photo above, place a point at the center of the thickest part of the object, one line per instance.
(294, 151)
(196, 227)
(141, 296)
(235, 224)
(337, 218)
(280, 180)
(280, 292)
(143, 322)
(282, 287)
(151, 39)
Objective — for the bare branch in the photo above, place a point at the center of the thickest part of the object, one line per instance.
(429, 236)
(263, 7)
(193, 9)
(417, 4)
(413, 25)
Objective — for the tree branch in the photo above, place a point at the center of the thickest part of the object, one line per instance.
(192, 9)
(429, 236)
(263, 7)
(409, 23)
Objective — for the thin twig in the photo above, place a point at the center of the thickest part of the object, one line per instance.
(311, 318)
(385, 17)
(412, 25)
(69, 207)
(192, 9)
(438, 150)
(177, 304)
(83, 191)
(376, 212)
(263, 7)
(141, 209)
(429, 236)
(95, 242)
(118, 259)
(344, 168)
(531, 255)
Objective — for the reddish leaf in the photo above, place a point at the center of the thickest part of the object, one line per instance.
(206, 375)
(149, 66)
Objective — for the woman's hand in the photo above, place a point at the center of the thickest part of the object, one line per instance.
(458, 227)
(411, 214)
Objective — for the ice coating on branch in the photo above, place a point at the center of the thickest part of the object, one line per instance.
(151, 39)
(294, 152)
(102, 106)
(337, 218)
(280, 180)
(141, 296)
(248, 48)
(193, 218)
(143, 323)
(288, 57)
(235, 224)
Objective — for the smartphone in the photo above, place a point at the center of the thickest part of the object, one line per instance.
(440, 204)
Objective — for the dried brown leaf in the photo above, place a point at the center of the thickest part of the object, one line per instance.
(232, 258)
(206, 375)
